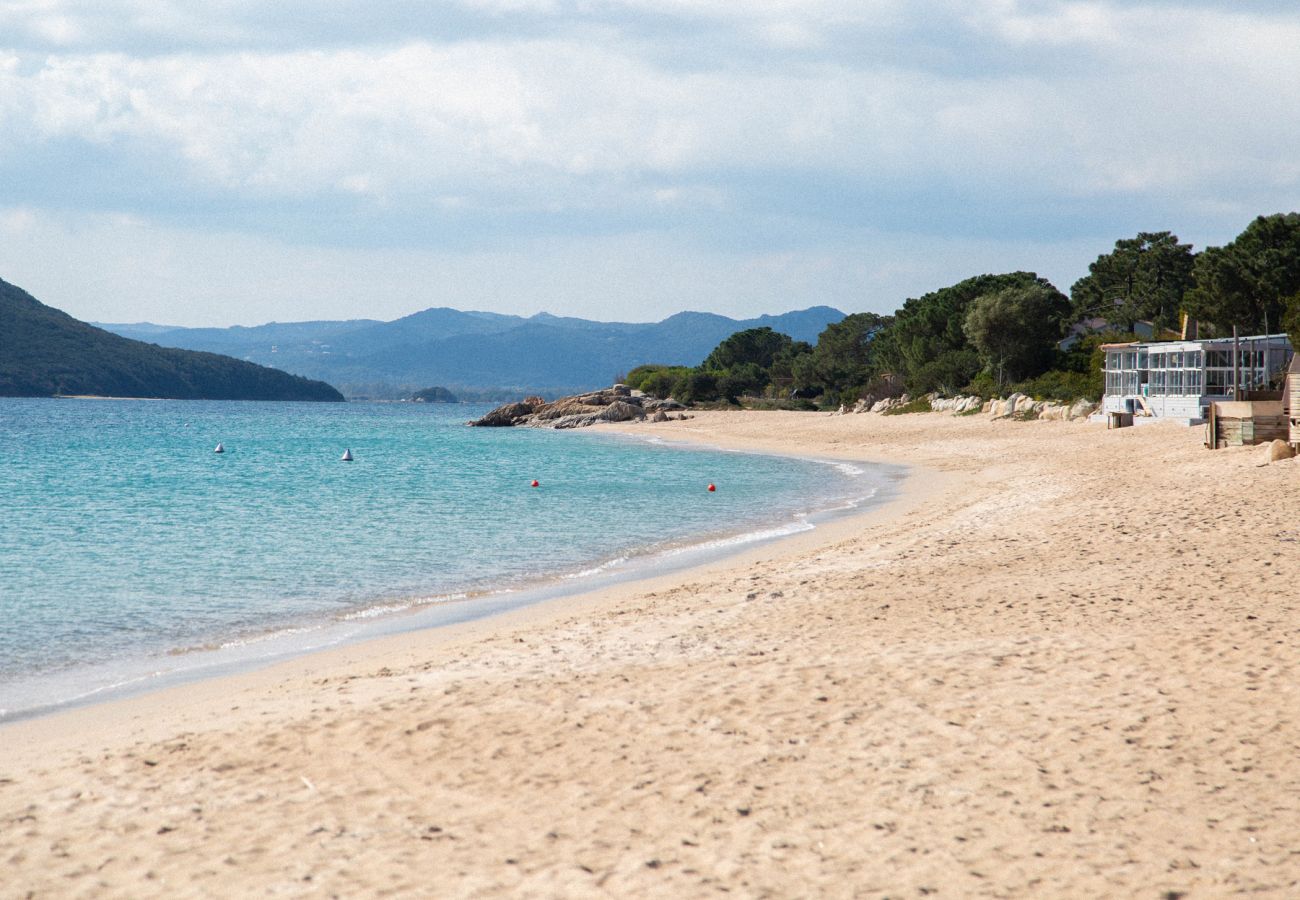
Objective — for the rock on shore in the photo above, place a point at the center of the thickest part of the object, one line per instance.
(1017, 405)
(615, 404)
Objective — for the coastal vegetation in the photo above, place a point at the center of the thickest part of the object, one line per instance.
(45, 352)
(991, 335)
(437, 394)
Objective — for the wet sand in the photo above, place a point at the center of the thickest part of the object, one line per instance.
(1063, 663)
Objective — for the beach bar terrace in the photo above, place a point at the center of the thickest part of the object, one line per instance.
(1180, 379)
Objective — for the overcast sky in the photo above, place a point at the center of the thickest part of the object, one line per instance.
(217, 162)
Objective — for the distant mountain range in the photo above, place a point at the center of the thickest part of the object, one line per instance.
(475, 352)
(45, 352)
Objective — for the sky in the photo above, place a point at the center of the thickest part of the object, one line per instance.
(220, 162)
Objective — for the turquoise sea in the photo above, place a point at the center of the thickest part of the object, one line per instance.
(132, 555)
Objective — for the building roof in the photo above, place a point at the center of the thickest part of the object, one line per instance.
(1226, 341)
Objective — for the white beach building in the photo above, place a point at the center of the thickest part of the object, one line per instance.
(1180, 379)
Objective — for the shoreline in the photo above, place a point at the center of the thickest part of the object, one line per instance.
(393, 615)
(1060, 663)
(544, 602)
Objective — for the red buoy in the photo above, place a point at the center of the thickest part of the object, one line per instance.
(712, 489)
(536, 483)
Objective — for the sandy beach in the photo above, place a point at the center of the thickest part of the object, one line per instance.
(1064, 662)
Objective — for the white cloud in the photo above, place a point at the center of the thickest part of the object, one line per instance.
(784, 134)
(378, 120)
(193, 277)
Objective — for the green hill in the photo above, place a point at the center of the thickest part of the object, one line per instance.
(45, 352)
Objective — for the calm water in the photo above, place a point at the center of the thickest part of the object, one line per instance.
(127, 544)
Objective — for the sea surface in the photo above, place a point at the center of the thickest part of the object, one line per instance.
(132, 554)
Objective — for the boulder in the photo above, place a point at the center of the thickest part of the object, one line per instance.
(659, 416)
(890, 402)
(1003, 409)
(1276, 450)
(958, 404)
(505, 416)
(567, 406)
(650, 404)
(621, 411)
(574, 421)
(616, 404)
(1082, 409)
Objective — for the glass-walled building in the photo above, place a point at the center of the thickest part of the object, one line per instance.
(1179, 379)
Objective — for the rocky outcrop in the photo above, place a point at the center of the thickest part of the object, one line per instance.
(955, 405)
(614, 404)
(870, 404)
(889, 403)
(504, 416)
(1020, 406)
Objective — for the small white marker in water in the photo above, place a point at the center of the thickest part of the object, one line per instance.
(347, 455)
(220, 449)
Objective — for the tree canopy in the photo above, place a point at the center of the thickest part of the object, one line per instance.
(928, 345)
(1143, 278)
(1015, 329)
(759, 346)
(842, 360)
(748, 363)
(1252, 282)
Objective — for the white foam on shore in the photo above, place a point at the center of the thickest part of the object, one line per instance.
(598, 570)
(384, 609)
(846, 467)
(750, 537)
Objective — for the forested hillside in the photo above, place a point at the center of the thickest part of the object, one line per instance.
(45, 352)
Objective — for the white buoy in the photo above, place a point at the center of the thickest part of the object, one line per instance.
(347, 455)
(220, 449)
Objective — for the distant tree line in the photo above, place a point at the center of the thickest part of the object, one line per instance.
(993, 334)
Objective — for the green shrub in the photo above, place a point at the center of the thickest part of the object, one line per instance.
(696, 386)
(657, 381)
(1059, 386)
(984, 386)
